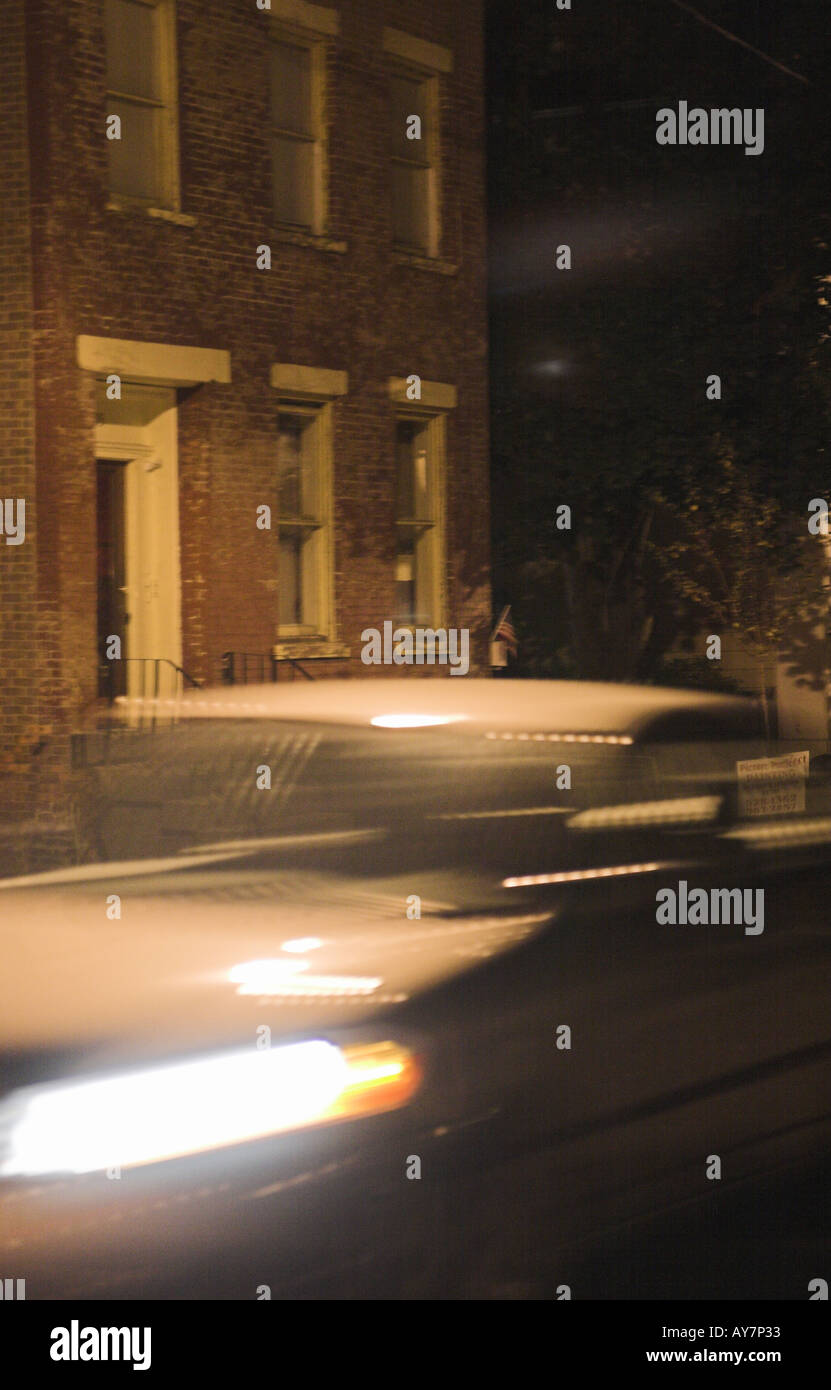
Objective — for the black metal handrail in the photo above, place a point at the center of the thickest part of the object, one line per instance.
(236, 668)
(295, 666)
(152, 664)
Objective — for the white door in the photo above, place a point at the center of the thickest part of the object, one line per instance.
(140, 430)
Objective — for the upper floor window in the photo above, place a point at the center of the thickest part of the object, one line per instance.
(414, 153)
(297, 132)
(141, 91)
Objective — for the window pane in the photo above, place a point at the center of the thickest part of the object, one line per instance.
(410, 206)
(134, 161)
(132, 48)
(292, 173)
(404, 498)
(295, 466)
(412, 500)
(423, 603)
(290, 464)
(405, 587)
(422, 509)
(291, 580)
(291, 88)
(407, 98)
(309, 557)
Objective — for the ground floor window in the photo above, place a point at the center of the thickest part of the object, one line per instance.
(418, 557)
(304, 510)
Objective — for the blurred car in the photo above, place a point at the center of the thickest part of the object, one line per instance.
(362, 992)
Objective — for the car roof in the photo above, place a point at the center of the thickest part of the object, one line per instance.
(470, 704)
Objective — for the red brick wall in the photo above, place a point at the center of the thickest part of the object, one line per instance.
(18, 578)
(131, 276)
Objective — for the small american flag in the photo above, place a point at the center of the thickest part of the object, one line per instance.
(505, 632)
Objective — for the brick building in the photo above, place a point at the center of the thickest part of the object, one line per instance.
(243, 345)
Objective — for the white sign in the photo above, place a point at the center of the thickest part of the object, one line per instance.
(772, 786)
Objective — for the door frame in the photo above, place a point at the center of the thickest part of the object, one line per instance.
(119, 442)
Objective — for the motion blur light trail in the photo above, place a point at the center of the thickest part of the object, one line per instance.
(192, 1107)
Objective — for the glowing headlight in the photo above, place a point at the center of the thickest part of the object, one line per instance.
(191, 1107)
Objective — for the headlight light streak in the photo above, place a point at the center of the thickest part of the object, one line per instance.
(580, 875)
(191, 1107)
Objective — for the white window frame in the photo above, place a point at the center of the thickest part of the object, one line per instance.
(430, 533)
(321, 539)
(428, 78)
(314, 43)
(167, 155)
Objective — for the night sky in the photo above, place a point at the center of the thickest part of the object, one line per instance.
(686, 260)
